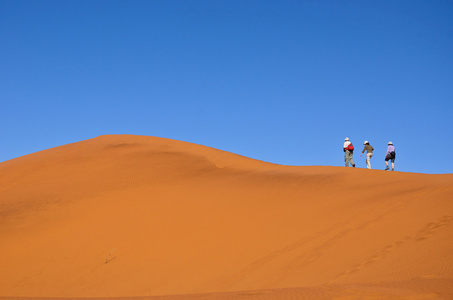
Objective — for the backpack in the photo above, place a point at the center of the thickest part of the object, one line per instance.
(350, 147)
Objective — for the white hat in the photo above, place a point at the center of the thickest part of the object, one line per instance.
(366, 142)
(390, 143)
(346, 139)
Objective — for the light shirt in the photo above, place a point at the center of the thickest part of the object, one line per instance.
(390, 149)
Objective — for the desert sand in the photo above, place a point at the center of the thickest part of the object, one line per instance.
(136, 217)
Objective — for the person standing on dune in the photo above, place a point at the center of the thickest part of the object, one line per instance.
(369, 153)
(348, 149)
(390, 155)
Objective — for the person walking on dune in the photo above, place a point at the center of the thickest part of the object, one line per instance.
(348, 149)
(390, 155)
(369, 153)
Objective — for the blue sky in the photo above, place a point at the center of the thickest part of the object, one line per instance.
(279, 81)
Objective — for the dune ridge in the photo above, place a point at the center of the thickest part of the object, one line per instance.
(136, 217)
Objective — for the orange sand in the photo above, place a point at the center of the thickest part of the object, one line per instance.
(133, 216)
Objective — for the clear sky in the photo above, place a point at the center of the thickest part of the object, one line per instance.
(279, 81)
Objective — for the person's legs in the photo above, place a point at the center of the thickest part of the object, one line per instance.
(387, 162)
(346, 158)
(368, 160)
(350, 159)
(393, 164)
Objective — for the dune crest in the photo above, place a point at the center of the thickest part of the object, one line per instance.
(135, 216)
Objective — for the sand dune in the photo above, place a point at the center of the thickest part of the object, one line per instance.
(137, 217)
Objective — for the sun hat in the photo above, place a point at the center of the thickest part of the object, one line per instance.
(346, 139)
(366, 142)
(390, 143)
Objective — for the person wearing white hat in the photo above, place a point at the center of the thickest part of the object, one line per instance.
(369, 153)
(390, 155)
(348, 149)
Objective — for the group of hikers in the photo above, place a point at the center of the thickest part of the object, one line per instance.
(348, 149)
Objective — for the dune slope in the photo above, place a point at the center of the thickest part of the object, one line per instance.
(134, 216)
